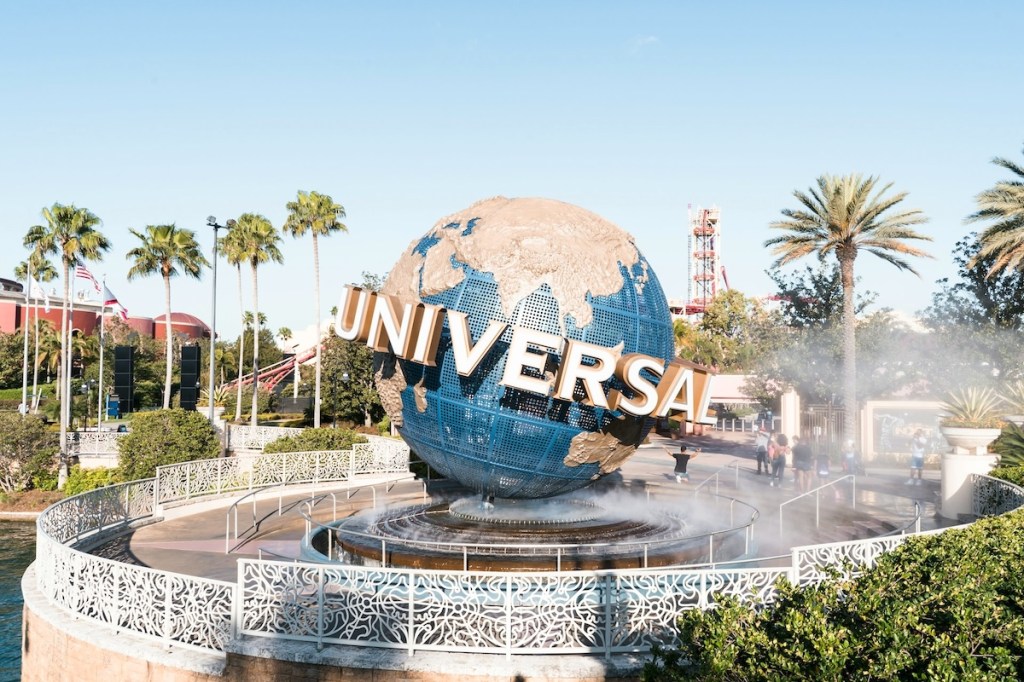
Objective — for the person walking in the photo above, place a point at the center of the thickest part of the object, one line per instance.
(761, 450)
(779, 459)
(803, 463)
(682, 457)
(917, 446)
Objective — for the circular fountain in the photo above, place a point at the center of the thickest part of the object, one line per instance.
(602, 531)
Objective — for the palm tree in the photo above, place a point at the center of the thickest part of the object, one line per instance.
(165, 249)
(71, 234)
(843, 216)
(231, 247)
(43, 272)
(1003, 204)
(257, 243)
(317, 214)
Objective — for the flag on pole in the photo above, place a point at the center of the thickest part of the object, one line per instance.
(82, 272)
(110, 300)
(39, 292)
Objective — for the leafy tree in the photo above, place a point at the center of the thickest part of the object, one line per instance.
(842, 217)
(166, 250)
(319, 215)
(71, 234)
(312, 440)
(975, 298)
(165, 437)
(27, 447)
(258, 244)
(813, 297)
(11, 351)
(733, 331)
(232, 247)
(355, 399)
(1003, 241)
(939, 607)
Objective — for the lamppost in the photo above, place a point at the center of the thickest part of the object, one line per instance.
(212, 222)
(86, 390)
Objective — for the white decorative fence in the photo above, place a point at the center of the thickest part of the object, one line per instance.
(522, 613)
(256, 437)
(94, 442)
(247, 472)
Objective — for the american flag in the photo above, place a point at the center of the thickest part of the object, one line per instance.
(82, 272)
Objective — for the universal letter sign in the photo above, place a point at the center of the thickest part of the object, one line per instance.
(412, 331)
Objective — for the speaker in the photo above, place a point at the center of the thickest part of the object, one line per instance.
(124, 376)
(189, 377)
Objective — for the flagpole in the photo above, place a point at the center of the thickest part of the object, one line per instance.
(35, 363)
(70, 351)
(99, 399)
(24, 330)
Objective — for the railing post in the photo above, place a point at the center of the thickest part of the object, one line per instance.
(606, 587)
(508, 616)
(411, 634)
(320, 609)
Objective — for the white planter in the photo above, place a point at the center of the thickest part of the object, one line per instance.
(1017, 419)
(969, 441)
(957, 491)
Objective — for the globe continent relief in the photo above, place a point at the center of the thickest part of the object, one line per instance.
(548, 266)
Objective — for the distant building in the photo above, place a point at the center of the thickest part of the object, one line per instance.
(85, 318)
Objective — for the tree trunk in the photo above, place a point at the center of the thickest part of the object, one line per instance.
(241, 348)
(169, 347)
(849, 351)
(61, 390)
(316, 297)
(255, 347)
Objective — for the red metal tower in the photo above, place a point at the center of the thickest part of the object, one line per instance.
(704, 244)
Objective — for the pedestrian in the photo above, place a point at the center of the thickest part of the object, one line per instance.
(761, 450)
(823, 464)
(779, 459)
(917, 446)
(803, 463)
(851, 462)
(682, 457)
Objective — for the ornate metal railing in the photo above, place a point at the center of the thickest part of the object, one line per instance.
(257, 437)
(246, 472)
(524, 613)
(94, 442)
(993, 496)
(172, 608)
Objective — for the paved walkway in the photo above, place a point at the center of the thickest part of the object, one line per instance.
(195, 544)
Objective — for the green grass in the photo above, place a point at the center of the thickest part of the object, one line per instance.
(15, 393)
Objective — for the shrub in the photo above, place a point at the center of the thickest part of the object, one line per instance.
(1014, 474)
(310, 440)
(384, 426)
(165, 437)
(81, 480)
(27, 449)
(947, 606)
(1010, 446)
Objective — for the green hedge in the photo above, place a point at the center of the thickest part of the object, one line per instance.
(80, 480)
(309, 440)
(165, 437)
(941, 607)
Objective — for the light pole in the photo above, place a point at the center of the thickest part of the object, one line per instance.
(212, 222)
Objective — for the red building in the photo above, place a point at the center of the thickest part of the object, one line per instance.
(85, 318)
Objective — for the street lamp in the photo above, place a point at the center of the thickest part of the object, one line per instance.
(212, 222)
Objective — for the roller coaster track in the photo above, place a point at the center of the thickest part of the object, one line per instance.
(272, 375)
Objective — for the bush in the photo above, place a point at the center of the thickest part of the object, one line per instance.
(265, 402)
(310, 440)
(1013, 475)
(165, 437)
(81, 480)
(384, 426)
(27, 449)
(947, 606)
(1010, 446)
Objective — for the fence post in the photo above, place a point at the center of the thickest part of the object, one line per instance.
(320, 609)
(607, 597)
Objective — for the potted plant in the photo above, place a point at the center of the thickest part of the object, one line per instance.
(973, 420)
(220, 397)
(1013, 396)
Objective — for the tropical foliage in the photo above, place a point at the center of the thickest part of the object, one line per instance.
(1003, 206)
(940, 607)
(1010, 446)
(319, 215)
(973, 407)
(843, 216)
(166, 250)
(312, 440)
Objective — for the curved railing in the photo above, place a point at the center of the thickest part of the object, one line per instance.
(523, 613)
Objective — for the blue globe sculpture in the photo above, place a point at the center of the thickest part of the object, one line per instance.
(534, 263)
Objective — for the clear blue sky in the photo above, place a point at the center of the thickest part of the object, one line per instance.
(150, 113)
